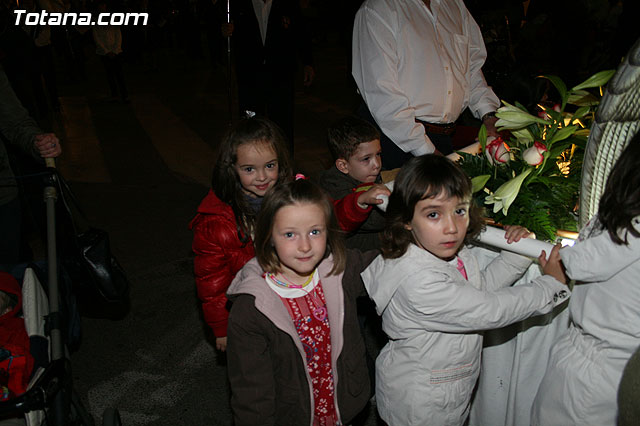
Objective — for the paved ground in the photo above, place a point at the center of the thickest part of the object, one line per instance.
(140, 171)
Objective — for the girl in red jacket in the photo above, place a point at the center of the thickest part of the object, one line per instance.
(251, 160)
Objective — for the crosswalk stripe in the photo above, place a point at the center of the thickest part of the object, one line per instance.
(82, 159)
(181, 148)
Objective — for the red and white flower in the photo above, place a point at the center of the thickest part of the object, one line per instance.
(533, 155)
(497, 151)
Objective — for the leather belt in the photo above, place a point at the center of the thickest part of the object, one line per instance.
(438, 128)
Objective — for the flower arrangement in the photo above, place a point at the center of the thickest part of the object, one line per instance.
(530, 176)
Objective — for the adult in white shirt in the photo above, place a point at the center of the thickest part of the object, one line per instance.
(418, 65)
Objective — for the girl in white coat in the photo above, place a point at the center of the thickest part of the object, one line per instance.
(434, 299)
(586, 364)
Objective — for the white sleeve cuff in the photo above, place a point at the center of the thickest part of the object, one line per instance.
(427, 148)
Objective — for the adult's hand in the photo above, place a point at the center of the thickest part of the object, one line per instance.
(309, 75)
(227, 29)
(47, 145)
(490, 124)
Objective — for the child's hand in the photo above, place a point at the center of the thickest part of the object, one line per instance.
(553, 266)
(221, 344)
(370, 197)
(513, 233)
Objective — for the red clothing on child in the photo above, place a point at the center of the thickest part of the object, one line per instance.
(309, 315)
(16, 362)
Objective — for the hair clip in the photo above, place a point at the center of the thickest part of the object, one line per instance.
(300, 176)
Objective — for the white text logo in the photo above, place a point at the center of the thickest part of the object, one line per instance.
(69, 18)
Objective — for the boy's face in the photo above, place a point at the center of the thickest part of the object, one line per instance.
(364, 164)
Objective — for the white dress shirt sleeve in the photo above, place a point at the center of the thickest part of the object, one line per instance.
(482, 99)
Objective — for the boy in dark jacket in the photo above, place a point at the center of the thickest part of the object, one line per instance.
(355, 146)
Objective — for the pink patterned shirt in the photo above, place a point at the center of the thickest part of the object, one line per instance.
(309, 315)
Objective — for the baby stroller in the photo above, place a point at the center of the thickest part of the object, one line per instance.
(50, 399)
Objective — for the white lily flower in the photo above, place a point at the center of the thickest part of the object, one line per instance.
(507, 193)
(512, 117)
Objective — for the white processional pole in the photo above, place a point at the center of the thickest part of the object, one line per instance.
(229, 79)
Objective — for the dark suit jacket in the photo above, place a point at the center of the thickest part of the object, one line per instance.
(288, 40)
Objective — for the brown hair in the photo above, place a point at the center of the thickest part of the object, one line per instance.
(421, 178)
(347, 133)
(620, 201)
(225, 181)
(296, 192)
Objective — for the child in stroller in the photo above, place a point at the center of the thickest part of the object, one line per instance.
(16, 362)
(49, 398)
